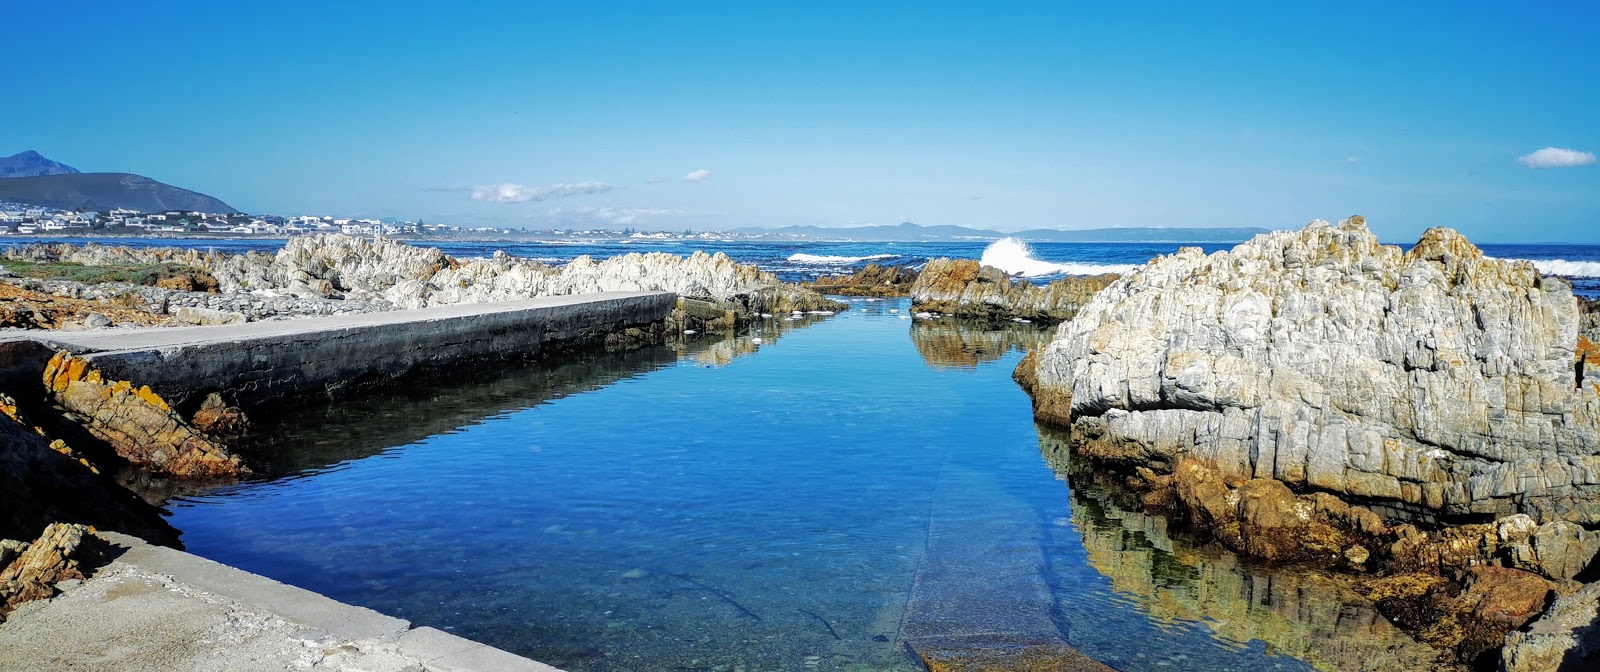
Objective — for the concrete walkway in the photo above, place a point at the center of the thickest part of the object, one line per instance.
(261, 363)
(156, 609)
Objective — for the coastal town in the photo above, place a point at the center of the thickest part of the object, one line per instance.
(27, 219)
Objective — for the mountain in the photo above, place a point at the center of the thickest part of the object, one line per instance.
(105, 191)
(914, 232)
(31, 164)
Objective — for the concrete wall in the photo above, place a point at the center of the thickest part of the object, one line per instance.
(271, 363)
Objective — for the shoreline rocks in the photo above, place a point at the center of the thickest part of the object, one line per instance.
(872, 280)
(326, 274)
(1435, 382)
(965, 288)
(137, 423)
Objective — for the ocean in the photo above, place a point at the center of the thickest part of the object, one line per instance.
(796, 261)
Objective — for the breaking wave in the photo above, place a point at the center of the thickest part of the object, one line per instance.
(1015, 257)
(1570, 269)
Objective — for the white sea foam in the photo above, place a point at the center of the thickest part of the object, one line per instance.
(1571, 269)
(1015, 257)
(827, 259)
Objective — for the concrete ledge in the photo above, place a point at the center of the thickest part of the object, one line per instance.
(266, 363)
(435, 650)
(293, 604)
(443, 652)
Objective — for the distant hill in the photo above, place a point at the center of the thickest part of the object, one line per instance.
(105, 191)
(908, 231)
(31, 164)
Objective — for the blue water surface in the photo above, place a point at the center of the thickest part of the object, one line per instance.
(817, 500)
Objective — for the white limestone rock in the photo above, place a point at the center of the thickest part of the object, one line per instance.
(1320, 358)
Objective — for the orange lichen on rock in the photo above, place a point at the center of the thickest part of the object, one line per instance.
(136, 422)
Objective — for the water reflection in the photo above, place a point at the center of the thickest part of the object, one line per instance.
(1312, 616)
(962, 344)
(308, 439)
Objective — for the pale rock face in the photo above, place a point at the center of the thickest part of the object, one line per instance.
(1320, 358)
(1566, 637)
(414, 277)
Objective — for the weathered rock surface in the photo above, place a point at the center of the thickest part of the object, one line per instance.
(1435, 380)
(136, 422)
(1565, 639)
(963, 288)
(333, 274)
(52, 558)
(871, 280)
(1589, 318)
(217, 418)
(412, 277)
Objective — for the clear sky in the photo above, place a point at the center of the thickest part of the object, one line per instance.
(720, 115)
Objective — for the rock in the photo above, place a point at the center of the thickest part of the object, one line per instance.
(96, 321)
(137, 423)
(871, 280)
(1563, 549)
(1566, 638)
(1435, 380)
(217, 418)
(52, 558)
(964, 288)
(205, 316)
(1504, 596)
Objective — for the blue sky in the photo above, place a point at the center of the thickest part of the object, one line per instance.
(997, 115)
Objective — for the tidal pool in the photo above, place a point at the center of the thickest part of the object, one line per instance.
(808, 502)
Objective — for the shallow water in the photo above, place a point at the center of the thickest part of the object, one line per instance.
(805, 503)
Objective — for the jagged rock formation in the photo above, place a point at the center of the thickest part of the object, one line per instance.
(1435, 380)
(1567, 637)
(1589, 318)
(964, 288)
(335, 273)
(31, 571)
(136, 422)
(871, 280)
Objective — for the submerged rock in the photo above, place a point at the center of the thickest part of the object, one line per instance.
(135, 422)
(964, 288)
(1436, 380)
(871, 280)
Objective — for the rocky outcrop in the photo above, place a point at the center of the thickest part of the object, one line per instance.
(871, 280)
(1567, 637)
(328, 274)
(338, 266)
(1589, 318)
(963, 288)
(135, 422)
(56, 556)
(1436, 380)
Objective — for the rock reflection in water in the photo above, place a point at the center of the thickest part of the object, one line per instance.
(950, 343)
(1312, 616)
(317, 437)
